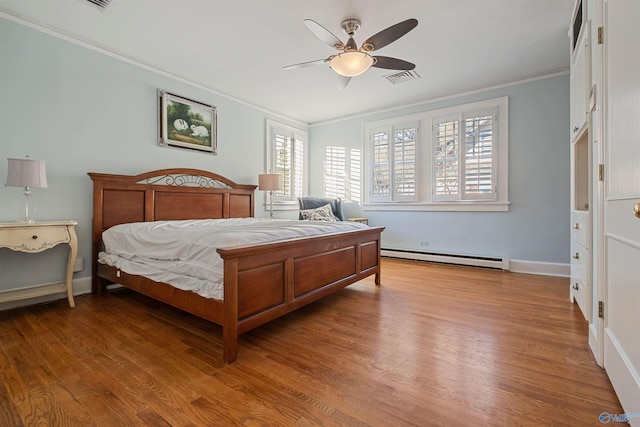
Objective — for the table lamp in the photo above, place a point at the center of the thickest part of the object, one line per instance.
(270, 182)
(26, 173)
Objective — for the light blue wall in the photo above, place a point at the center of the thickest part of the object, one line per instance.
(83, 111)
(536, 228)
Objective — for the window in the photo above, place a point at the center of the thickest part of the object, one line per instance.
(393, 157)
(342, 173)
(286, 155)
(463, 158)
(448, 159)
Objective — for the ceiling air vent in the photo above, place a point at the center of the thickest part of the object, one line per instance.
(401, 77)
(102, 4)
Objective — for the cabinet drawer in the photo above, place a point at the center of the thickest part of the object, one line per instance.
(579, 291)
(33, 239)
(579, 257)
(579, 227)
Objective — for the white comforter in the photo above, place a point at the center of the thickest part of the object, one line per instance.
(183, 253)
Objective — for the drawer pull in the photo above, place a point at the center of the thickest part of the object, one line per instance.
(576, 256)
(576, 129)
(576, 226)
(34, 237)
(576, 287)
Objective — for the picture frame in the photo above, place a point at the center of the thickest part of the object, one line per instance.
(185, 123)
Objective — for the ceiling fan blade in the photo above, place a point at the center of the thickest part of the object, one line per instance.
(306, 64)
(323, 34)
(392, 63)
(389, 35)
(343, 81)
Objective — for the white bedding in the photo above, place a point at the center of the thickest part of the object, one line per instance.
(183, 253)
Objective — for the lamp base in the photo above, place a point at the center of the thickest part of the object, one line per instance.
(271, 204)
(26, 220)
(26, 209)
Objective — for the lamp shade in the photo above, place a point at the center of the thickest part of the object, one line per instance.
(26, 173)
(351, 63)
(270, 181)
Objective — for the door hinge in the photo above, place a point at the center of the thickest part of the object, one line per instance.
(601, 309)
(600, 172)
(600, 35)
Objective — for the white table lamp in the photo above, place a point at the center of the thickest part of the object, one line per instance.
(270, 182)
(26, 173)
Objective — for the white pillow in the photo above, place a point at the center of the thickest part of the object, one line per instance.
(323, 213)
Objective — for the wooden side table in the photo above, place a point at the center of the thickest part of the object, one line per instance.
(38, 237)
(362, 220)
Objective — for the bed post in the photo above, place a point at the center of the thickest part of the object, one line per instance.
(379, 267)
(97, 284)
(230, 323)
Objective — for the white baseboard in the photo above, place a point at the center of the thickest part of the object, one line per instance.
(506, 264)
(540, 268)
(80, 286)
(447, 258)
(594, 345)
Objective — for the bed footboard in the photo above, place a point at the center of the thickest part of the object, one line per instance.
(266, 281)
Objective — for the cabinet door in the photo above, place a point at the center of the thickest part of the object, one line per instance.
(578, 86)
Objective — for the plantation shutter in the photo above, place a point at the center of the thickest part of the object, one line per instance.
(464, 153)
(354, 190)
(405, 162)
(335, 172)
(394, 163)
(298, 168)
(380, 164)
(288, 161)
(342, 173)
(446, 147)
(479, 162)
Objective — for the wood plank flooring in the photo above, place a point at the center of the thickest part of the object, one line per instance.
(434, 345)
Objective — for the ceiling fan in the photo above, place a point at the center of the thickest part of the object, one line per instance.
(351, 61)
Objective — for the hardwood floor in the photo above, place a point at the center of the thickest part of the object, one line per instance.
(434, 345)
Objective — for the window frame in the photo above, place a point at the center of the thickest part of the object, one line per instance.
(426, 164)
(286, 202)
(460, 119)
(390, 128)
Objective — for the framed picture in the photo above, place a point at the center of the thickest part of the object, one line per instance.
(187, 124)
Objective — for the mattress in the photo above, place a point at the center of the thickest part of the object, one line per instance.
(183, 253)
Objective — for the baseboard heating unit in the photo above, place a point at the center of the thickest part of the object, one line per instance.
(468, 260)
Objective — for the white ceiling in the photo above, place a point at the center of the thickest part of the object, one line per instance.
(238, 47)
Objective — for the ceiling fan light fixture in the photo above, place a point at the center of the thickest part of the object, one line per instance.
(351, 63)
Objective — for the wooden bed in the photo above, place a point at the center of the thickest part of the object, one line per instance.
(261, 282)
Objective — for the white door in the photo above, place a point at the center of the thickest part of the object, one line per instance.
(596, 202)
(622, 183)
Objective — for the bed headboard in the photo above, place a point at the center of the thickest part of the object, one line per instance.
(167, 194)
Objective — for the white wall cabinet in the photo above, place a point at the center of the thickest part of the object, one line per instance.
(578, 85)
(580, 289)
(580, 286)
(580, 262)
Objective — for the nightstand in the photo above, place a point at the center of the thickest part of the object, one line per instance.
(362, 220)
(38, 237)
